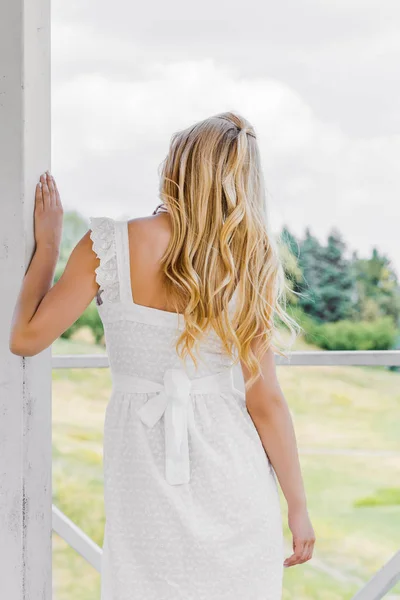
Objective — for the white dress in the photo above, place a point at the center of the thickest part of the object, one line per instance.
(191, 499)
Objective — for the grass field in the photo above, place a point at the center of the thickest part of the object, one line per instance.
(354, 498)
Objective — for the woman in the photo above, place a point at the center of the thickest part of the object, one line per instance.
(190, 462)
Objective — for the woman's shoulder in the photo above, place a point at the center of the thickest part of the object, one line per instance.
(150, 229)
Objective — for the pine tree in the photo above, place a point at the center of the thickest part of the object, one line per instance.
(328, 286)
(336, 285)
(309, 262)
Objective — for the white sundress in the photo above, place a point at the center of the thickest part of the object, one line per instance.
(191, 499)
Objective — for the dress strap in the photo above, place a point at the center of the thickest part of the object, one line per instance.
(123, 260)
(102, 234)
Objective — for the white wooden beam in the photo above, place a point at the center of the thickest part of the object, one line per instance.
(367, 358)
(77, 539)
(382, 582)
(25, 384)
(341, 358)
(80, 361)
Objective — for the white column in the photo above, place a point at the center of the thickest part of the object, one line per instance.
(25, 384)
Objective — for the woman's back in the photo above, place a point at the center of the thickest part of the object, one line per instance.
(141, 339)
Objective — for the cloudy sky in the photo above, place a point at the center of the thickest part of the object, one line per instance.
(319, 80)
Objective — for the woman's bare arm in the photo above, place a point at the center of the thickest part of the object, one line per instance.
(42, 312)
(270, 413)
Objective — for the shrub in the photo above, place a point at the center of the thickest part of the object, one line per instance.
(89, 318)
(353, 335)
(389, 496)
(71, 330)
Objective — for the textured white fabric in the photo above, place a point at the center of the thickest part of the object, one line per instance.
(217, 536)
(173, 403)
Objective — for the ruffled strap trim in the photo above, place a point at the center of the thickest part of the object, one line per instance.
(102, 234)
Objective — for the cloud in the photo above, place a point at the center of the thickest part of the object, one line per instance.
(111, 131)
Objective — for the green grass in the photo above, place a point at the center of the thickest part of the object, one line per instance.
(344, 407)
(388, 496)
(73, 579)
(353, 500)
(302, 582)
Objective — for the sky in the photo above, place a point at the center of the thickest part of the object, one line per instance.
(318, 79)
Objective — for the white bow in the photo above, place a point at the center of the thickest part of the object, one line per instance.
(174, 403)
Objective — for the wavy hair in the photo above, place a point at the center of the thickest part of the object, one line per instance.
(212, 185)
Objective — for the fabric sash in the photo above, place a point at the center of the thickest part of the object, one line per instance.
(172, 400)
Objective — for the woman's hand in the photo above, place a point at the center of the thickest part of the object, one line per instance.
(43, 311)
(303, 537)
(48, 214)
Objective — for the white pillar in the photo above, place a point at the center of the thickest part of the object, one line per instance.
(25, 384)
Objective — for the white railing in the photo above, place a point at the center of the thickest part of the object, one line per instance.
(382, 582)
(76, 538)
(383, 358)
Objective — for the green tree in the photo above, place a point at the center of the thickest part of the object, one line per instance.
(289, 252)
(309, 263)
(328, 286)
(378, 292)
(337, 291)
(74, 228)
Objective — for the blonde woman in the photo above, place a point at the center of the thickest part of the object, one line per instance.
(190, 462)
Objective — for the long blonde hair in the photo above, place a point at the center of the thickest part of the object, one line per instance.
(212, 185)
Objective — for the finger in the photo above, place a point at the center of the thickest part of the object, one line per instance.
(299, 546)
(296, 556)
(45, 191)
(291, 561)
(42, 181)
(288, 561)
(306, 552)
(311, 549)
(50, 185)
(58, 199)
(38, 197)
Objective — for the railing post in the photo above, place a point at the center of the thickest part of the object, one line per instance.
(382, 582)
(25, 384)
